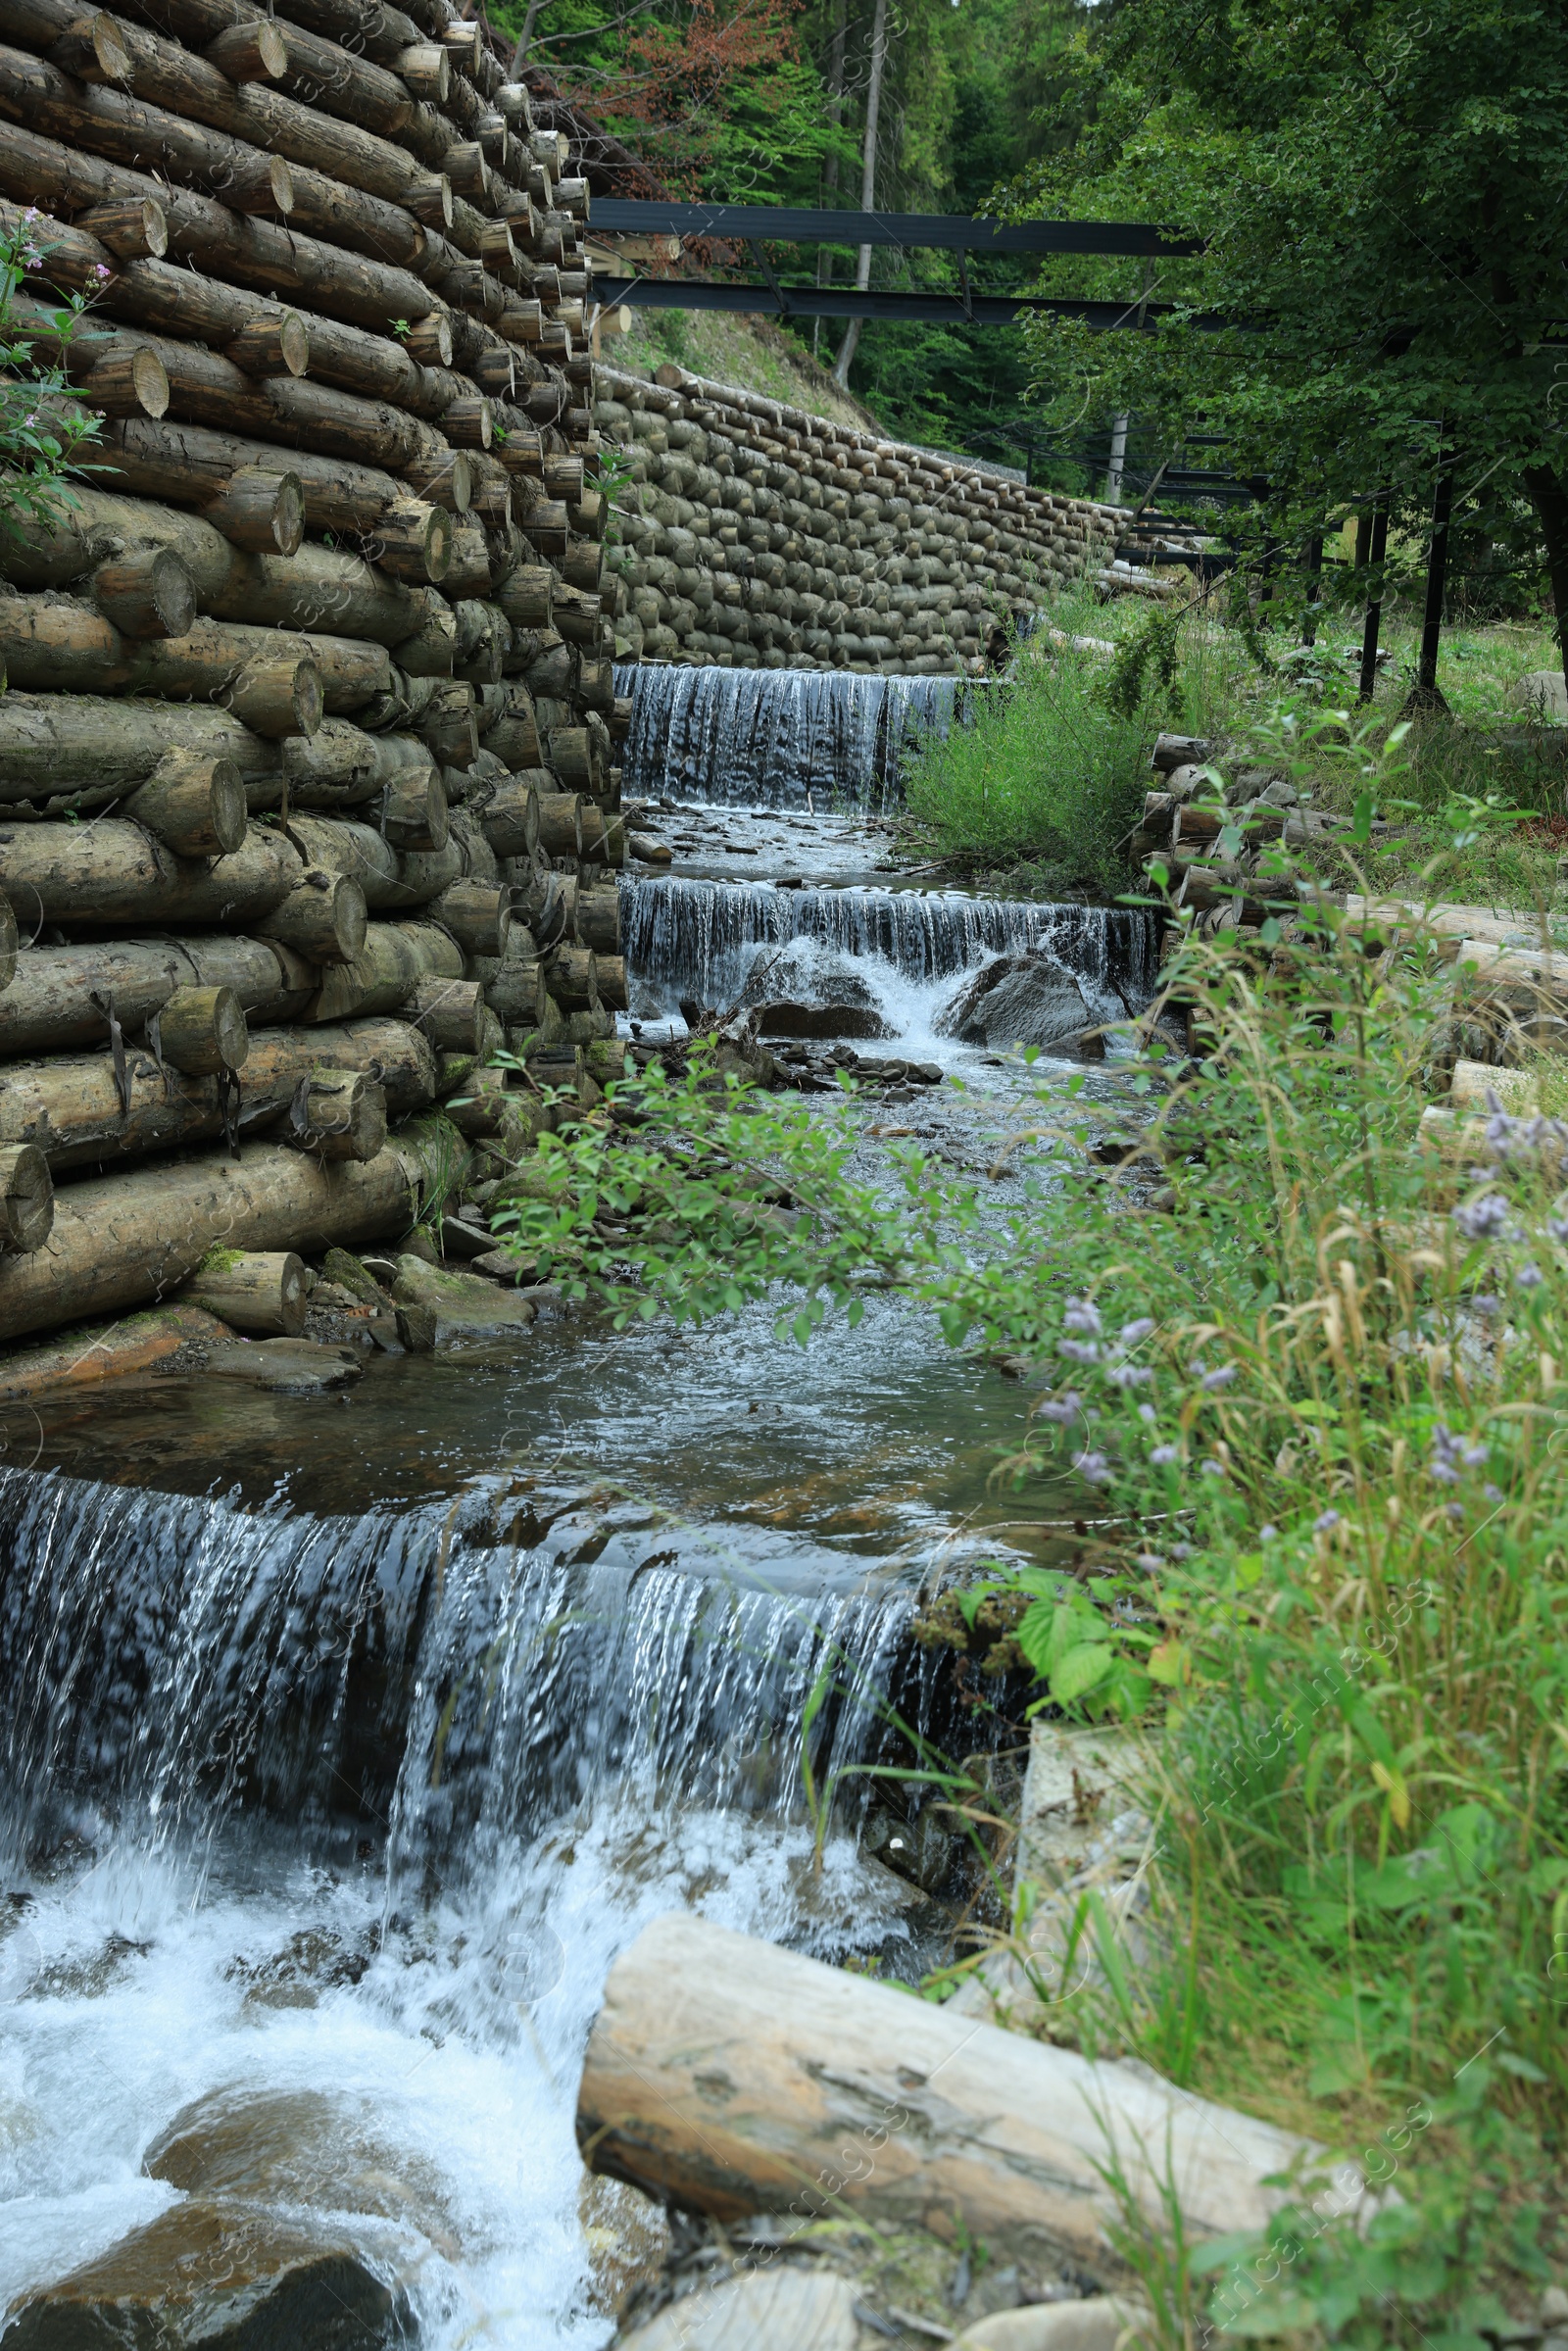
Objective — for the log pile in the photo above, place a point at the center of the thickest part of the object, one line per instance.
(309, 786)
(757, 536)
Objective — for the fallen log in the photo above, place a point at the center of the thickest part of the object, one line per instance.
(450, 1013)
(110, 871)
(323, 919)
(62, 997)
(199, 1031)
(742, 2077)
(135, 1237)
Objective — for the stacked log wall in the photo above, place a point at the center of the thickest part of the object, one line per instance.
(309, 784)
(757, 536)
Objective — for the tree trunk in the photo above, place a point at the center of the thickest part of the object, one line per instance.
(874, 110)
(830, 163)
(744, 2078)
(1549, 494)
(128, 1239)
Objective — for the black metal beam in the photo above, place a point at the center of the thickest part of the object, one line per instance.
(792, 224)
(848, 302)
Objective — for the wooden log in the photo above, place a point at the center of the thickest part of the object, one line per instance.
(91, 748)
(340, 768)
(276, 343)
(92, 49)
(190, 463)
(151, 594)
(337, 1114)
(396, 960)
(604, 837)
(412, 541)
(477, 914)
(252, 1290)
(443, 477)
(572, 976)
(194, 804)
(414, 811)
(276, 697)
(513, 739)
(255, 52)
(122, 1239)
(60, 997)
(131, 227)
(516, 992)
(113, 873)
(27, 1199)
(323, 919)
(525, 596)
(507, 812)
(277, 685)
(386, 880)
(260, 508)
(560, 824)
(742, 2077)
(201, 1031)
(450, 1013)
(133, 136)
(610, 972)
(596, 920)
(82, 1110)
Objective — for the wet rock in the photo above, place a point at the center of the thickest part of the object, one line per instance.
(1020, 1000)
(1096, 2325)
(301, 2148)
(292, 1366)
(439, 1309)
(628, 2238)
(785, 1019)
(349, 1273)
(774, 2310)
(806, 972)
(228, 2278)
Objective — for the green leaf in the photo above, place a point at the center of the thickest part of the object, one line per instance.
(1080, 1670)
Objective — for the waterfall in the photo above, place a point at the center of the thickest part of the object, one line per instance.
(170, 1658)
(688, 938)
(763, 738)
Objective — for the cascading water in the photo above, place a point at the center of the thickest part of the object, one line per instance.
(700, 939)
(764, 738)
(350, 1817)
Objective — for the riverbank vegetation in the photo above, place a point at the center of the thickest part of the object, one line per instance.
(1043, 784)
(1307, 1368)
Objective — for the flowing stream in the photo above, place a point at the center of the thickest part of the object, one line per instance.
(346, 1742)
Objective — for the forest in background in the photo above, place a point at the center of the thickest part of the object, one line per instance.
(764, 101)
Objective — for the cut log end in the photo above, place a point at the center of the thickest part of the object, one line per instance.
(412, 541)
(149, 594)
(325, 919)
(128, 383)
(203, 1031)
(255, 52)
(278, 698)
(252, 1290)
(194, 804)
(277, 345)
(262, 512)
(450, 1013)
(414, 811)
(338, 1114)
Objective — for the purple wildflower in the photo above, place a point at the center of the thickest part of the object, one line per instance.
(1482, 1219)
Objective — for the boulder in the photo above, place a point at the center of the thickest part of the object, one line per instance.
(290, 1366)
(303, 2147)
(224, 2277)
(439, 1310)
(786, 1019)
(1021, 999)
(628, 2239)
(807, 971)
(1544, 694)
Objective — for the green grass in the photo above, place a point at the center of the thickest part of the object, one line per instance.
(1047, 782)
